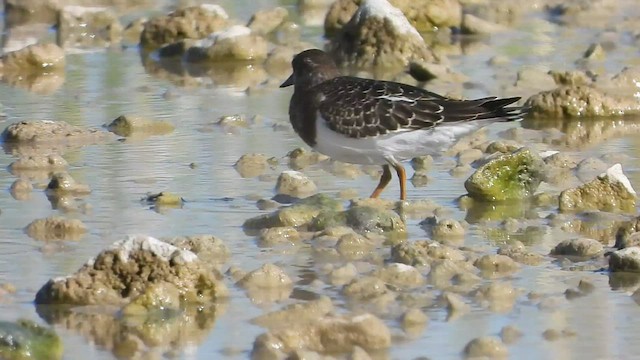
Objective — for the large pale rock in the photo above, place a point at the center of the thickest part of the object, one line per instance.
(424, 15)
(379, 34)
(128, 269)
(610, 191)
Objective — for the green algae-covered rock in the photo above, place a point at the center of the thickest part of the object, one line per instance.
(362, 219)
(509, 177)
(610, 191)
(301, 213)
(24, 339)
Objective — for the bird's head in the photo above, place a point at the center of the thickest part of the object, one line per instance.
(311, 67)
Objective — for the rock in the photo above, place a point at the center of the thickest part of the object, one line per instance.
(343, 275)
(468, 156)
(39, 162)
(88, 26)
(420, 253)
(453, 275)
(327, 335)
(279, 235)
(513, 176)
(401, 276)
(252, 165)
(125, 271)
(234, 44)
(424, 15)
(519, 253)
(363, 219)
(610, 191)
(510, 334)
(25, 339)
(164, 199)
(209, 248)
(413, 318)
(125, 125)
(379, 34)
(302, 213)
(63, 183)
(474, 25)
(195, 22)
(365, 289)
(21, 189)
(296, 184)
(447, 229)
(583, 247)
(45, 132)
(580, 101)
(353, 246)
(496, 264)
(422, 162)
(502, 146)
(266, 277)
(625, 260)
(300, 158)
(38, 58)
(18, 12)
(265, 22)
(296, 314)
(486, 347)
(56, 228)
(497, 296)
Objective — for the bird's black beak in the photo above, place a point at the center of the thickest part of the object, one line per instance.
(287, 82)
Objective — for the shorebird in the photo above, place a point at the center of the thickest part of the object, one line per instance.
(366, 121)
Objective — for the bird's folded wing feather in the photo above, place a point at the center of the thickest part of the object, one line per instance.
(360, 108)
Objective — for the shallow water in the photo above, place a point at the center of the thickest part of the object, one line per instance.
(100, 86)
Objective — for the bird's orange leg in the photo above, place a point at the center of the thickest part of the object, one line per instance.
(384, 180)
(402, 177)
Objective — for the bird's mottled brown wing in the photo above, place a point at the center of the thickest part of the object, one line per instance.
(358, 107)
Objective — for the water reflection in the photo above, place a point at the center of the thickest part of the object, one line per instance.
(170, 333)
(585, 132)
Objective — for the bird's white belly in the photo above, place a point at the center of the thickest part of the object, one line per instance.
(377, 150)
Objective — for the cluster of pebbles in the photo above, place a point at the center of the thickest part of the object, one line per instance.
(367, 258)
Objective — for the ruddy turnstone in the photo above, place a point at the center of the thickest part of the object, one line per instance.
(366, 121)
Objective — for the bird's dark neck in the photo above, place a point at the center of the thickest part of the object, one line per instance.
(303, 113)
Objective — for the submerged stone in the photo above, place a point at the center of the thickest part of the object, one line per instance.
(125, 125)
(56, 228)
(326, 335)
(25, 339)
